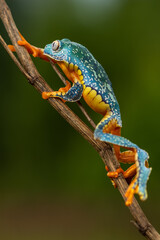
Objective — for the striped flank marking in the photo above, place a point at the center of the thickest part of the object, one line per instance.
(95, 101)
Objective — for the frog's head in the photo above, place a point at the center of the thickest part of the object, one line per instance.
(66, 51)
(58, 50)
(73, 58)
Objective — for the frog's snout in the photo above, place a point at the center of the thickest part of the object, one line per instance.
(48, 49)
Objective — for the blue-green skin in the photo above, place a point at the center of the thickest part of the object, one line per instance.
(95, 77)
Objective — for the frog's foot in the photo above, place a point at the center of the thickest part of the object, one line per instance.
(139, 184)
(12, 48)
(113, 182)
(31, 49)
(132, 189)
(68, 93)
(36, 52)
(129, 173)
(142, 171)
(59, 93)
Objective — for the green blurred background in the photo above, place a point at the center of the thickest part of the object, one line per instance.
(52, 182)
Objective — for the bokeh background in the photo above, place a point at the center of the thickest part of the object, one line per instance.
(52, 182)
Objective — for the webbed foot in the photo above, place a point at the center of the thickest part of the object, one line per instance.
(132, 189)
(128, 174)
(61, 91)
(31, 49)
(141, 172)
(36, 52)
(139, 184)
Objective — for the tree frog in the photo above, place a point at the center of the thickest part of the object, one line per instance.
(90, 81)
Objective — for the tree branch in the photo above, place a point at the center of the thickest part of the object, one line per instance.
(28, 68)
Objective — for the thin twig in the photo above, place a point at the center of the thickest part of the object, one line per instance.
(104, 150)
(79, 102)
(58, 72)
(86, 114)
(14, 58)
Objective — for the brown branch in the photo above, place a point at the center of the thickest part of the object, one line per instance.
(14, 58)
(104, 150)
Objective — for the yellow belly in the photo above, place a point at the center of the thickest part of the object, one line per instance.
(95, 102)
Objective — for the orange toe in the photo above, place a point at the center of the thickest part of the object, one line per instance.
(106, 168)
(112, 174)
(115, 174)
(45, 95)
(130, 193)
(12, 48)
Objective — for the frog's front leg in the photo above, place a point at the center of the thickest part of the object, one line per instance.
(110, 124)
(36, 52)
(68, 93)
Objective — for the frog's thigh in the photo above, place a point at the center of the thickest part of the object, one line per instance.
(112, 127)
(128, 156)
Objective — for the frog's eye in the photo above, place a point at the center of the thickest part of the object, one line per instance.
(55, 45)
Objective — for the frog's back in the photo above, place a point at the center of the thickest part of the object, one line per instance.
(98, 91)
(97, 88)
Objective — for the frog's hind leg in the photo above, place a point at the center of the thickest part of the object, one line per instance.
(103, 132)
(129, 156)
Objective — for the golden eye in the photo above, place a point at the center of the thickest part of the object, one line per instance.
(55, 45)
